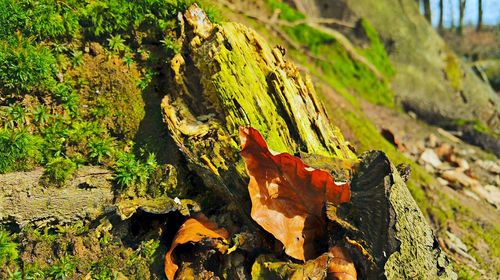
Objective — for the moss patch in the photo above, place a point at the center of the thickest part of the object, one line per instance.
(109, 92)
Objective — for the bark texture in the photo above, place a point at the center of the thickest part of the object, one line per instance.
(391, 225)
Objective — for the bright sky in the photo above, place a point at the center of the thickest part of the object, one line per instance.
(491, 12)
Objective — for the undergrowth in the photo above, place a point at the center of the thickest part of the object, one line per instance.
(56, 114)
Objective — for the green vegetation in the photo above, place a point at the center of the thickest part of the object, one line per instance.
(73, 79)
(476, 125)
(18, 150)
(63, 269)
(453, 72)
(8, 249)
(132, 172)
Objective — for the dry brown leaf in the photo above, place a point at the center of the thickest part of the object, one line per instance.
(287, 196)
(341, 266)
(193, 230)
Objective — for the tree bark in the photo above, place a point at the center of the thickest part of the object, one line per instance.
(391, 225)
(461, 6)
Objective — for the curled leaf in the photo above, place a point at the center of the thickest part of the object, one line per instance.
(341, 266)
(193, 230)
(288, 196)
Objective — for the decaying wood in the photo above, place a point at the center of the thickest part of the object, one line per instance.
(391, 225)
(24, 199)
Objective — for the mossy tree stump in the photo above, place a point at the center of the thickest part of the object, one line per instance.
(227, 76)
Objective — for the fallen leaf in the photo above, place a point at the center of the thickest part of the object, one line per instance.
(194, 229)
(341, 266)
(288, 196)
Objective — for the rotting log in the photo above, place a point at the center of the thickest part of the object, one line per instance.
(24, 199)
(227, 76)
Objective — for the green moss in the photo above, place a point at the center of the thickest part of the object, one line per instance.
(25, 66)
(257, 70)
(376, 52)
(477, 125)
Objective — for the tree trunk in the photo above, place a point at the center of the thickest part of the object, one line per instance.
(479, 15)
(227, 76)
(427, 10)
(441, 13)
(461, 16)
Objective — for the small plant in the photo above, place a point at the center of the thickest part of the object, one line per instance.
(33, 272)
(18, 150)
(129, 171)
(128, 59)
(8, 248)
(15, 275)
(171, 45)
(117, 43)
(77, 58)
(41, 115)
(100, 148)
(15, 116)
(148, 76)
(63, 269)
(59, 170)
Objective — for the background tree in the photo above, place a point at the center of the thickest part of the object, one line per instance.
(461, 7)
(452, 13)
(441, 6)
(427, 10)
(479, 15)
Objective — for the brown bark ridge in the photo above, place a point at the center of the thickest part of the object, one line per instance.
(25, 200)
(227, 76)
